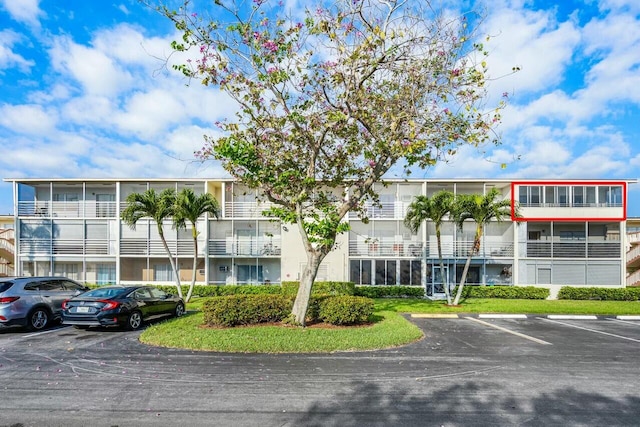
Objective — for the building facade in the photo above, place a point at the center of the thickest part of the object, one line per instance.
(570, 233)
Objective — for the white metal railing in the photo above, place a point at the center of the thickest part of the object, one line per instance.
(155, 247)
(245, 209)
(67, 247)
(387, 210)
(386, 247)
(410, 248)
(634, 278)
(577, 249)
(238, 246)
(88, 208)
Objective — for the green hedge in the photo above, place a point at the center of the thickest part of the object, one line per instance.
(233, 310)
(321, 288)
(603, 294)
(221, 290)
(503, 292)
(390, 291)
(345, 310)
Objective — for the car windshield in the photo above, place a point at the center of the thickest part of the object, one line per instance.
(104, 292)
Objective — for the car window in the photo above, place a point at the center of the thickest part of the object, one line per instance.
(157, 293)
(103, 293)
(72, 286)
(140, 293)
(32, 286)
(4, 286)
(51, 285)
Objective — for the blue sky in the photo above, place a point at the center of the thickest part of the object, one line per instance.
(85, 93)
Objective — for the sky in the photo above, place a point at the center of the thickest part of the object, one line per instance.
(85, 92)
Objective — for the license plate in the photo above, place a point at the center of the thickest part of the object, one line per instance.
(82, 309)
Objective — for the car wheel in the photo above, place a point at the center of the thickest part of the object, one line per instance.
(134, 321)
(38, 319)
(179, 311)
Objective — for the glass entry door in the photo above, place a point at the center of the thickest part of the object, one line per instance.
(439, 280)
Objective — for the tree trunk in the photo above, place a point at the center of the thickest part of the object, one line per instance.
(301, 304)
(195, 264)
(171, 260)
(445, 279)
(474, 249)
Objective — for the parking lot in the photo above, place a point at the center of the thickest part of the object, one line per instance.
(471, 370)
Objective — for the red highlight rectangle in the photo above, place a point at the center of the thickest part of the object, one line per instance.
(567, 184)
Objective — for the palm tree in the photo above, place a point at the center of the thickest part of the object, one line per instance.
(436, 209)
(157, 207)
(481, 209)
(190, 207)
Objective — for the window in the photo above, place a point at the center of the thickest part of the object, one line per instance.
(360, 271)
(163, 273)
(578, 196)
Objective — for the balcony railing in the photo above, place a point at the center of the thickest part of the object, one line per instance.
(633, 254)
(245, 247)
(245, 209)
(66, 247)
(155, 247)
(6, 270)
(413, 249)
(389, 210)
(582, 249)
(88, 209)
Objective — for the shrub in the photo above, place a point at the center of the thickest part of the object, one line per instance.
(390, 291)
(220, 290)
(603, 294)
(345, 309)
(321, 288)
(233, 310)
(504, 292)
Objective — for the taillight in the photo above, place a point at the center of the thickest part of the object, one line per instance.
(64, 304)
(8, 300)
(108, 304)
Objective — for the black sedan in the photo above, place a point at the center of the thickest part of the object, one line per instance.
(126, 306)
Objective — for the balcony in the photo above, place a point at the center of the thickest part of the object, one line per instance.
(245, 247)
(245, 209)
(389, 210)
(66, 247)
(88, 209)
(145, 247)
(580, 249)
(634, 279)
(386, 247)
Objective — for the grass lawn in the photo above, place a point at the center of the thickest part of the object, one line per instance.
(389, 329)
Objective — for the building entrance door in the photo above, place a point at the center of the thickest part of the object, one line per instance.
(439, 281)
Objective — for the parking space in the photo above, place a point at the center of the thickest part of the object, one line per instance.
(531, 335)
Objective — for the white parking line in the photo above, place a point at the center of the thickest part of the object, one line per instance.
(502, 316)
(44, 332)
(592, 330)
(509, 331)
(626, 322)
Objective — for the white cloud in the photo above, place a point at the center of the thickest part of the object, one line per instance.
(96, 72)
(9, 58)
(27, 119)
(25, 11)
(531, 40)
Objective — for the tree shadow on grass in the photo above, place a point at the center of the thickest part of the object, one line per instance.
(470, 404)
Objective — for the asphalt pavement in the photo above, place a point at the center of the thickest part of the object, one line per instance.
(466, 371)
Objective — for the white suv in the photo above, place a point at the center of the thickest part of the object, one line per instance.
(34, 302)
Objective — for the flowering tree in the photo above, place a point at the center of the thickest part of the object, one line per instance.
(331, 98)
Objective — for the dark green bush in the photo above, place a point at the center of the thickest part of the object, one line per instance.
(503, 292)
(220, 290)
(345, 310)
(321, 288)
(602, 294)
(390, 291)
(233, 310)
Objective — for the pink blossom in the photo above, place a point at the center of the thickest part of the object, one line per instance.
(270, 45)
(372, 163)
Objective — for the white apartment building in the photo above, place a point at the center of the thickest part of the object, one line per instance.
(570, 233)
